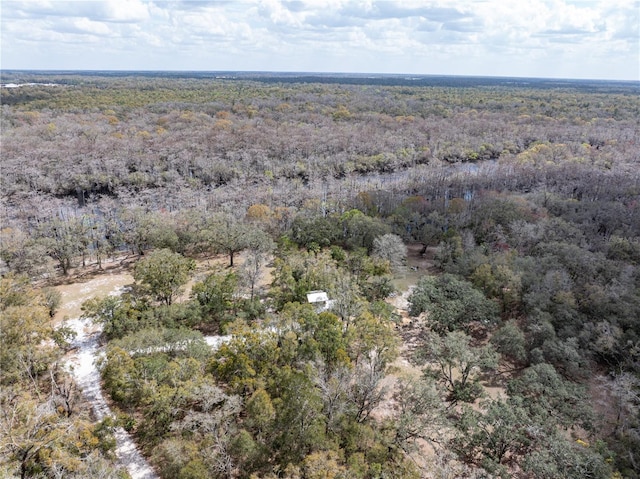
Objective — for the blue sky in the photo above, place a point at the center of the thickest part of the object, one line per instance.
(525, 38)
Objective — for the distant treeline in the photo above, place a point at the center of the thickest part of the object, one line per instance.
(374, 79)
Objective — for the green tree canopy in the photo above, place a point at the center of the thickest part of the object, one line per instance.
(451, 303)
(227, 235)
(458, 364)
(164, 273)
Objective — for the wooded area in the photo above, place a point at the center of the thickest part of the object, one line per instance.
(526, 195)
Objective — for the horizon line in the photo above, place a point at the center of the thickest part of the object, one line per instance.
(311, 73)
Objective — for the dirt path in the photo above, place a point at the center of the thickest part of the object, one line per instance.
(409, 330)
(82, 361)
(413, 332)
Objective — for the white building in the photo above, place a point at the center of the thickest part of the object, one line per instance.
(319, 299)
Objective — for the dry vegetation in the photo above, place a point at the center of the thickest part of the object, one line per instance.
(481, 244)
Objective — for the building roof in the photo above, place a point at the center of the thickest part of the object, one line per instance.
(317, 297)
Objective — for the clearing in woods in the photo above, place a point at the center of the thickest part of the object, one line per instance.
(113, 281)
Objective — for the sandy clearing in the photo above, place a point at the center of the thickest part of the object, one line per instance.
(74, 294)
(81, 363)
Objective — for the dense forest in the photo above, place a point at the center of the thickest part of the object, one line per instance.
(518, 355)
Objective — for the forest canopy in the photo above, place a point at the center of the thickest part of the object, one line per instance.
(523, 195)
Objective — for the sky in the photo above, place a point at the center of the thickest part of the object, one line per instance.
(591, 39)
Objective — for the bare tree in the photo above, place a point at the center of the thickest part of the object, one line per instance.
(391, 248)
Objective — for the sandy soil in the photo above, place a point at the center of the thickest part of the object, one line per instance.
(81, 361)
(418, 265)
(74, 294)
(82, 364)
(412, 332)
(89, 283)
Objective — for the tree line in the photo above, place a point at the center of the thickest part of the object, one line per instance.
(528, 197)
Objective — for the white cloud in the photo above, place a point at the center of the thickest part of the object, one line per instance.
(86, 26)
(127, 11)
(97, 10)
(589, 38)
(277, 13)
